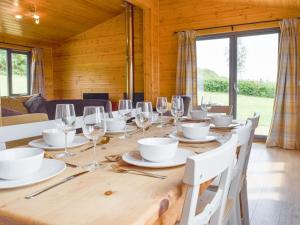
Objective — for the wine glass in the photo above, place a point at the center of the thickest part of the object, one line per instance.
(206, 104)
(161, 108)
(177, 108)
(125, 110)
(94, 127)
(144, 112)
(65, 120)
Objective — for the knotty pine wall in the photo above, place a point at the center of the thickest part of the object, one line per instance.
(94, 61)
(192, 14)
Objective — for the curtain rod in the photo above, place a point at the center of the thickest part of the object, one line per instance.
(234, 25)
(8, 43)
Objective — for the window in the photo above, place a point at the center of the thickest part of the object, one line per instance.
(240, 69)
(14, 72)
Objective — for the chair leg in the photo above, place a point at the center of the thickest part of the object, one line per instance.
(237, 210)
(244, 204)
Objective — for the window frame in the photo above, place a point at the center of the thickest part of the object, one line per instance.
(233, 74)
(9, 52)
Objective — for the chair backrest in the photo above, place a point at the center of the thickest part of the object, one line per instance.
(227, 109)
(187, 103)
(28, 130)
(243, 134)
(17, 120)
(202, 168)
(254, 120)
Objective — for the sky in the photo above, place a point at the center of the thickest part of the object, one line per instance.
(261, 56)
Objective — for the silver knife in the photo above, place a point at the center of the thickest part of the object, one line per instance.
(54, 185)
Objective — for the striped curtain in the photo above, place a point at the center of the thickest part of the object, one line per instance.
(37, 72)
(186, 76)
(284, 130)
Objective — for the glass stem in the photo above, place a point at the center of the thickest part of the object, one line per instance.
(94, 152)
(125, 133)
(66, 142)
(161, 120)
(143, 131)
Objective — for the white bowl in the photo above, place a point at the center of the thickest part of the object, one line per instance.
(157, 149)
(115, 124)
(221, 120)
(198, 114)
(17, 163)
(56, 138)
(195, 130)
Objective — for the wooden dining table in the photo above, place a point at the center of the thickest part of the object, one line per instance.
(105, 197)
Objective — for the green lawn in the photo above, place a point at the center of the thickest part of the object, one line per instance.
(247, 105)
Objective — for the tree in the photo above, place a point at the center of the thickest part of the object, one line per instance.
(241, 56)
(3, 65)
(19, 63)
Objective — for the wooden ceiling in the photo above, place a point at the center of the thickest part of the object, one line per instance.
(270, 3)
(59, 19)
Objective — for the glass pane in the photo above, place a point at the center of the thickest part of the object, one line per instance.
(213, 70)
(19, 73)
(3, 73)
(257, 74)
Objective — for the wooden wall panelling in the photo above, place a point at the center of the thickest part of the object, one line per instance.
(94, 61)
(193, 14)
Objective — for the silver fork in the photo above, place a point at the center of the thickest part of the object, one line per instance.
(137, 172)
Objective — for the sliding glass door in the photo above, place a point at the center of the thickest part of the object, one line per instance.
(240, 69)
(213, 69)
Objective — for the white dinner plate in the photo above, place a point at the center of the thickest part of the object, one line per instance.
(40, 143)
(130, 128)
(50, 168)
(197, 120)
(230, 126)
(179, 136)
(134, 158)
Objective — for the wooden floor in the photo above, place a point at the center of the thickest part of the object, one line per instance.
(274, 186)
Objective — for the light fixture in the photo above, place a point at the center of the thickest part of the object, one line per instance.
(36, 18)
(18, 16)
(32, 13)
(16, 3)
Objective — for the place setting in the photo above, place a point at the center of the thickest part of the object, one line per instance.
(194, 133)
(53, 139)
(223, 122)
(156, 152)
(64, 135)
(26, 166)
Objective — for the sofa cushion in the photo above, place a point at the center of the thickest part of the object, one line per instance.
(5, 112)
(14, 103)
(51, 106)
(36, 104)
(78, 105)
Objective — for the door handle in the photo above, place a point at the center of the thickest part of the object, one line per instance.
(235, 87)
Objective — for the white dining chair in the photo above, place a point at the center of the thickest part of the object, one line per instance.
(29, 130)
(202, 168)
(243, 187)
(233, 217)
